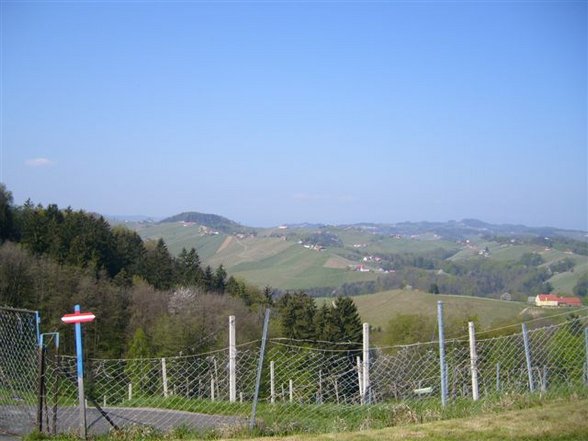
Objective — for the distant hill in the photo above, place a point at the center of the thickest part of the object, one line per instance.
(212, 221)
(352, 259)
(131, 218)
(467, 228)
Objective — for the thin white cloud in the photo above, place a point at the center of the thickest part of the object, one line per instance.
(307, 197)
(39, 162)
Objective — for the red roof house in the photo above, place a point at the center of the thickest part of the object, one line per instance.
(553, 300)
(569, 301)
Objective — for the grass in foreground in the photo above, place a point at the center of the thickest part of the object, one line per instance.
(554, 421)
(534, 419)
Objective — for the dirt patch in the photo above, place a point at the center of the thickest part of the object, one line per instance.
(531, 311)
(336, 263)
(225, 243)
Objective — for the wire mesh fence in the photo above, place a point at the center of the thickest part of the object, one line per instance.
(305, 386)
(18, 370)
(191, 392)
(314, 388)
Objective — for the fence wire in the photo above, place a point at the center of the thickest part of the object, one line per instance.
(191, 392)
(18, 370)
(305, 386)
(320, 389)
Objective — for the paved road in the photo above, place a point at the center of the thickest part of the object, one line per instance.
(17, 420)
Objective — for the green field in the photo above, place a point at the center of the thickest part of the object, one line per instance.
(297, 267)
(177, 236)
(565, 282)
(274, 257)
(386, 244)
(380, 308)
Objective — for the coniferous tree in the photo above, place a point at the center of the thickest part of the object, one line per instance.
(347, 321)
(129, 251)
(298, 312)
(339, 322)
(7, 228)
(189, 271)
(157, 266)
(219, 280)
(208, 278)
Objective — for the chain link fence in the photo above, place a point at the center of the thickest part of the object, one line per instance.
(305, 386)
(18, 370)
(314, 388)
(191, 392)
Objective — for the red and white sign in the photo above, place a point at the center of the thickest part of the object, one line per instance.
(78, 317)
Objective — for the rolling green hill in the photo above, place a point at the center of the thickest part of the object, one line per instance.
(212, 221)
(326, 257)
(380, 308)
(178, 235)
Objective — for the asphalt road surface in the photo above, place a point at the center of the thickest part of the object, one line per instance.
(18, 420)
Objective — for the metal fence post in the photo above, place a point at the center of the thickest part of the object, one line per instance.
(41, 387)
(473, 360)
(359, 378)
(164, 378)
(272, 382)
(443, 366)
(38, 326)
(586, 352)
(528, 357)
(259, 367)
(366, 364)
(232, 361)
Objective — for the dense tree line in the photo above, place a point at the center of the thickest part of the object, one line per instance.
(475, 277)
(147, 302)
(87, 241)
(301, 319)
(51, 259)
(323, 238)
(336, 329)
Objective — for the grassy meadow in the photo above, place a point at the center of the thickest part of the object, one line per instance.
(562, 420)
(380, 308)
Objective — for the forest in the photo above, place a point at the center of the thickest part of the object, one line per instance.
(147, 302)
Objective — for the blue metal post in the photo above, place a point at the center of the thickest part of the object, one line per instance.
(80, 364)
(442, 353)
(55, 339)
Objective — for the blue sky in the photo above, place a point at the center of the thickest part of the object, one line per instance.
(283, 112)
